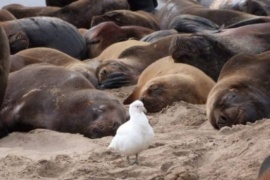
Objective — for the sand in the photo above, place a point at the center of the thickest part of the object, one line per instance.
(186, 147)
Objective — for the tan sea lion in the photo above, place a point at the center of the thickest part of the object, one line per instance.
(78, 13)
(55, 57)
(164, 82)
(52, 97)
(6, 15)
(105, 34)
(242, 92)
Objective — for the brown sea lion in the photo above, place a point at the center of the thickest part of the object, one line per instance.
(17, 62)
(45, 32)
(264, 173)
(105, 34)
(59, 3)
(4, 71)
(209, 52)
(78, 13)
(256, 7)
(128, 18)
(6, 15)
(125, 70)
(55, 57)
(225, 17)
(242, 93)
(164, 82)
(52, 97)
(115, 50)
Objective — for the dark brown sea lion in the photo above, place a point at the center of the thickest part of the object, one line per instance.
(164, 82)
(257, 7)
(128, 18)
(125, 70)
(78, 13)
(52, 97)
(45, 32)
(6, 15)
(4, 71)
(209, 52)
(242, 93)
(225, 17)
(55, 57)
(264, 173)
(105, 34)
(59, 3)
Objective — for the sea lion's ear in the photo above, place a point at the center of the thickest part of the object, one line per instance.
(18, 41)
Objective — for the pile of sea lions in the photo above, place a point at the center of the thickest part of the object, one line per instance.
(57, 60)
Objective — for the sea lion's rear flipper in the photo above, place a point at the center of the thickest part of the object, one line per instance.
(18, 41)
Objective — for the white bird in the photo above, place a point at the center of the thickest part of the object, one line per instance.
(135, 135)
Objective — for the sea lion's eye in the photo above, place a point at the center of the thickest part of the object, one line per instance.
(103, 72)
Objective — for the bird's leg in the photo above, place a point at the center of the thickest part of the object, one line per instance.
(136, 160)
(128, 160)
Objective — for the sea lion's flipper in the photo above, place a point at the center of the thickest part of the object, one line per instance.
(249, 21)
(116, 80)
(192, 24)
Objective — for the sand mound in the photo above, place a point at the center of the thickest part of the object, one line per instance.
(186, 147)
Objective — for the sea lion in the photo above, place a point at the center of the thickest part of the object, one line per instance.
(164, 82)
(125, 70)
(264, 173)
(224, 17)
(241, 93)
(45, 32)
(128, 18)
(105, 34)
(78, 13)
(4, 72)
(209, 52)
(59, 3)
(52, 97)
(6, 15)
(256, 7)
(55, 57)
